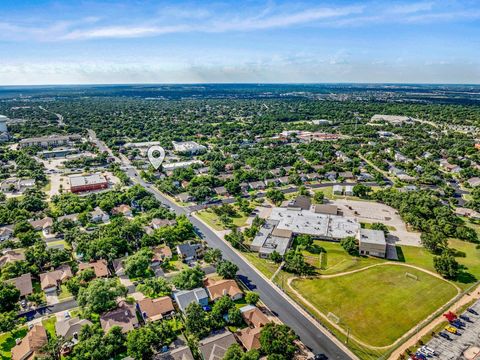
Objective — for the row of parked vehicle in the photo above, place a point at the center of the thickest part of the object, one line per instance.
(456, 323)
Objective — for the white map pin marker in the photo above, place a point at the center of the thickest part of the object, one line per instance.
(157, 160)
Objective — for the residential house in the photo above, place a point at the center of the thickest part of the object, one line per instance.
(45, 225)
(220, 288)
(28, 348)
(331, 175)
(71, 217)
(6, 232)
(10, 256)
(347, 175)
(283, 180)
(160, 254)
(189, 252)
(50, 281)
(257, 185)
(250, 338)
(215, 346)
(184, 298)
(253, 316)
(98, 215)
(159, 223)
(473, 182)
(155, 309)
(70, 328)
(100, 267)
(184, 197)
(23, 283)
(123, 209)
(123, 316)
(179, 353)
(221, 191)
(271, 182)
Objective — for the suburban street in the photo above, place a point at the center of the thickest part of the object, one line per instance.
(270, 295)
(319, 340)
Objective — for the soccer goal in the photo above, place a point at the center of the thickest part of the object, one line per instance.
(332, 317)
(411, 276)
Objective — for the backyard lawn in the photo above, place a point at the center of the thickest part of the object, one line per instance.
(378, 304)
(7, 341)
(49, 325)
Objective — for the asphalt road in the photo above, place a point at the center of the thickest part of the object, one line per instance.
(289, 314)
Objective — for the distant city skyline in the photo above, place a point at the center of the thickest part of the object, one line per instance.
(121, 42)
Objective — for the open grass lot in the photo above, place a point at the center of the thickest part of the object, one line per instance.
(7, 342)
(467, 255)
(391, 302)
(212, 219)
(266, 267)
(336, 259)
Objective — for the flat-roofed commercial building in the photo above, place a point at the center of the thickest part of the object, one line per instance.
(81, 183)
(46, 141)
(190, 147)
(372, 242)
(320, 226)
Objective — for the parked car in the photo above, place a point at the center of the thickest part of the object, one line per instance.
(451, 329)
(428, 350)
(465, 317)
(471, 311)
(420, 356)
(444, 335)
(458, 324)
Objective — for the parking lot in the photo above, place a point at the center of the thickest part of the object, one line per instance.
(463, 345)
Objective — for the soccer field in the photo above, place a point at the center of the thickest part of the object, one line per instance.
(379, 304)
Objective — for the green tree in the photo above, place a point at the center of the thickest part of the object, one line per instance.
(138, 264)
(252, 297)
(275, 257)
(227, 269)
(295, 263)
(212, 256)
(8, 321)
(9, 296)
(196, 322)
(319, 197)
(189, 278)
(446, 265)
(350, 245)
(140, 342)
(235, 352)
(275, 196)
(278, 339)
(100, 295)
(435, 242)
(155, 287)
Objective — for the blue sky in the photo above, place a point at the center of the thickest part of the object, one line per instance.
(81, 42)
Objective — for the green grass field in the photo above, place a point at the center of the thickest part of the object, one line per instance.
(49, 325)
(379, 304)
(213, 221)
(266, 267)
(336, 259)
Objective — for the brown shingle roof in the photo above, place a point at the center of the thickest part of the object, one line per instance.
(155, 309)
(23, 283)
(52, 278)
(30, 344)
(100, 267)
(11, 256)
(124, 316)
(250, 338)
(255, 317)
(223, 287)
(161, 253)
